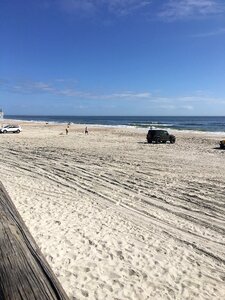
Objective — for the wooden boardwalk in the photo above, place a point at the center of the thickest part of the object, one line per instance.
(24, 272)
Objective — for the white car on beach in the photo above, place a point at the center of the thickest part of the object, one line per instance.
(11, 128)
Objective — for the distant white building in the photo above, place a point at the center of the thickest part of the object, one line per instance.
(1, 114)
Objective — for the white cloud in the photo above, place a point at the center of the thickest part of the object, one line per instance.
(62, 87)
(63, 90)
(129, 95)
(188, 107)
(32, 87)
(125, 7)
(168, 106)
(181, 9)
(116, 7)
(210, 33)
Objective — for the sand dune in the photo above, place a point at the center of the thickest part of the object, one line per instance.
(118, 218)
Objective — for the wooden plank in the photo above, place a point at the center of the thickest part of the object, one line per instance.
(24, 272)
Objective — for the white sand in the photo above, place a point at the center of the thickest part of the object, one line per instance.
(118, 218)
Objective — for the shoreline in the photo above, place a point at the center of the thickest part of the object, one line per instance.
(141, 128)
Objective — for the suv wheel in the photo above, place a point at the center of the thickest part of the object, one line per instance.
(172, 141)
(18, 131)
(157, 140)
(4, 131)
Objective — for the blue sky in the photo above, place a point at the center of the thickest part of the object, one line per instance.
(117, 57)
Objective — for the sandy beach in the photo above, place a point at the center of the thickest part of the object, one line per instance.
(117, 218)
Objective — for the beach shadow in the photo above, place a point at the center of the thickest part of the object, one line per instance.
(142, 143)
(218, 148)
(146, 143)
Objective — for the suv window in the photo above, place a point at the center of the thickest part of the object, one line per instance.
(154, 132)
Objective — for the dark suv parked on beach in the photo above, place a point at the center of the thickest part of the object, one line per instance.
(160, 136)
(222, 144)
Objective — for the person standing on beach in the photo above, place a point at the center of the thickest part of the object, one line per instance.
(67, 131)
(86, 130)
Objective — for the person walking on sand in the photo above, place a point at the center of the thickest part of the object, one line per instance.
(86, 130)
(67, 131)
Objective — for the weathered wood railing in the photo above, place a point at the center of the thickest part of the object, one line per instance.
(24, 272)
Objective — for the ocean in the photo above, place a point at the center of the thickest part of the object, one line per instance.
(210, 124)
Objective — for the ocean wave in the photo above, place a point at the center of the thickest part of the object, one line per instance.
(150, 124)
